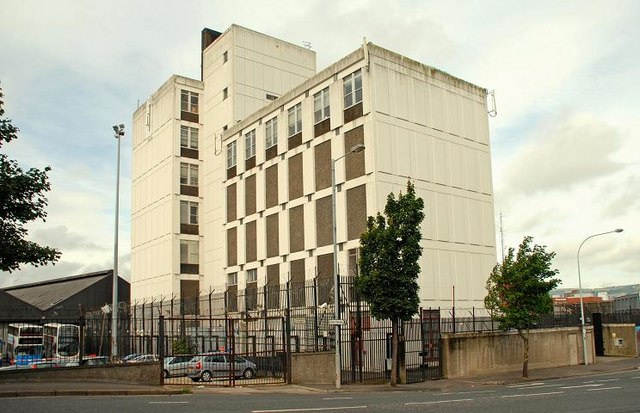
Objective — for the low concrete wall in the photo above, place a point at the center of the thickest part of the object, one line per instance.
(468, 354)
(620, 340)
(313, 368)
(139, 373)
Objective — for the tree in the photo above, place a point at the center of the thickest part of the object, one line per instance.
(21, 200)
(518, 291)
(183, 345)
(389, 253)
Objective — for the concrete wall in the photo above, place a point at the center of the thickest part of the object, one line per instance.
(620, 340)
(469, 354)
(313, 368)
(142, 373)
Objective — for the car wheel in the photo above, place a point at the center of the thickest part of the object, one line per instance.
(166, 374)
(206, 375)
(248, 374)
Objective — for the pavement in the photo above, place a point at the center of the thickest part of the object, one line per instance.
(603, 365)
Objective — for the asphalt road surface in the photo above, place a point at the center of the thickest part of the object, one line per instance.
(612, 392)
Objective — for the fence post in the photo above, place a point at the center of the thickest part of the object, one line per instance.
(473, 317)
(453, 314)
(161, 341)
(210, 318)
(288, 335)
(83, 324)
(315, 313)
(226, 320)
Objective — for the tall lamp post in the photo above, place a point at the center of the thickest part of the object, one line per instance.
(582, 321)
(119, 133)
(336, 277)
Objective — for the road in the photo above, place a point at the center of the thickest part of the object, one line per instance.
(612, 392)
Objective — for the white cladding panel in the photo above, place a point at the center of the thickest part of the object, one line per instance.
(431, 128)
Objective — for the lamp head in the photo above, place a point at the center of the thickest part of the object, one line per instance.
(119, 130)
(618, 230)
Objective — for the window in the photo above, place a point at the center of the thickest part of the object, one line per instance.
(250, 144)
(295, 119)
(188, 137)
(189, 101)
(321, 105)
(271, 132)
(232, 279)
(232, 154)
(189, 212)
(225, 93)
(225, 57)
(188, 174)
(252, 275)
(189, 252)
(353, 89)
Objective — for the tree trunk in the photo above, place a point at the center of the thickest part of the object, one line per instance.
(525, 352)
(394, 351)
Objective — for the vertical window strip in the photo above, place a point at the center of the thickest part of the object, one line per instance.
(232, 154)
(250, 144)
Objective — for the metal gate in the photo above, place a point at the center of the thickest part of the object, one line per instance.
(224, 351)
(367, 348)
(596, 319)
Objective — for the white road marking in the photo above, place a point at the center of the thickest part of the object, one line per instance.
(168, 402)
(606, 380)
(533, 394)
(519, 386)
(310, 409)
(605, 388)
(439, 402)
(337, 398)
(582, 385)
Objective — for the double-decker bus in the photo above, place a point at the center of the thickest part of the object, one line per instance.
(24, 343)
(61, 341)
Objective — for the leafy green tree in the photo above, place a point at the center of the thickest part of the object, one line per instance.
(21, 200)
(183, 346)
(518, 291)
(389, 253)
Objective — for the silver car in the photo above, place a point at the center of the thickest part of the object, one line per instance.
(207, 366)
(176, 366)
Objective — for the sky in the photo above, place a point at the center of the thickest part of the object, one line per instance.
(565, 142)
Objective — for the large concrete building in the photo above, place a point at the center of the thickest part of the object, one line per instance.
(268, 129)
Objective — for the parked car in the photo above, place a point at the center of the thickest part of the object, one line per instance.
(145, 358)
(128, 358)
(176, 366)
(90, 361)
(207, 366)
(45, 363)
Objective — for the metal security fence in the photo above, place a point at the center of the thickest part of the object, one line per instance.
(223, 351)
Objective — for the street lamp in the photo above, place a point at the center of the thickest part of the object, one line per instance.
(336, 277)
(119, 133)
(582, 324)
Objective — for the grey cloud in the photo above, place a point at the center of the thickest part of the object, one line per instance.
(622, 203)
(29, 274)
(60, 237)
(572, 152)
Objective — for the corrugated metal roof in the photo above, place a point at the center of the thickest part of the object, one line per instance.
(14, 308)
(50, 293)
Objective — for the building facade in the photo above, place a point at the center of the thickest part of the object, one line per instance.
(268, 156)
